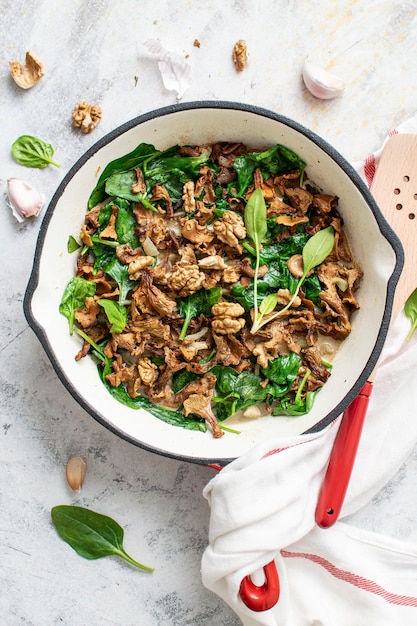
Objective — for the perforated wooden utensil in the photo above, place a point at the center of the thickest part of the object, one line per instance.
(395, 190)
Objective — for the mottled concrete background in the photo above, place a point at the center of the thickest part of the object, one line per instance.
(94, 50)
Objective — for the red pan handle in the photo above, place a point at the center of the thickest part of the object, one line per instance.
(263, 597)
(342, 459)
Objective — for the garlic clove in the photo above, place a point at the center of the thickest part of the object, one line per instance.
(24, 200)
(75, 472)
(321, 83)
(149, 247)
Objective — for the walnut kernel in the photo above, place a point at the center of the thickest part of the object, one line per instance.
(86, 117)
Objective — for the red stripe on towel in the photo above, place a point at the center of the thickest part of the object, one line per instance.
(353, 579)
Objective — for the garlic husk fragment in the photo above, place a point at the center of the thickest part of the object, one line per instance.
(24, 200)
(75, 472)
(321, 83)
(175, 70)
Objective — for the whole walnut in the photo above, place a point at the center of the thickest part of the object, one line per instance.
(227, 320)
(86, 116)
(229, 229)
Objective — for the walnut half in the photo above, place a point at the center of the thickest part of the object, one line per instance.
(25, 76)
(240, 55)
(227, 320)
(86, 116)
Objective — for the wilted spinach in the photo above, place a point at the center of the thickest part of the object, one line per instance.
(276, 160)
(74, 296)
(281, 373)
(116, 314)
(316, 250)
(127, 162)
(298, 406)
(167, 168)
(120, 273)
(236, 391)
(182, 378)
(199, 302)
(92, 535)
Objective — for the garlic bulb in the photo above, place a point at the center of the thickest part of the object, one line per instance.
(24, 200)
(321, 83)
(75, 472)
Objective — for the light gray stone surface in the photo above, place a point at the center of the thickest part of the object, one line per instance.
(94, 50)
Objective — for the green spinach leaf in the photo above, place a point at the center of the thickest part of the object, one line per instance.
(129, 161)
(410, 309)
(74, 296)
(199, 302)
(116, 314)
(286, 407)
(92, 535)
(72, 244)
(33, 152)
(236, 391)
(120, 185)
(181, 378)
(316, 250)
(276, 160)
(284, 249)
(282, 373)
(120, 273)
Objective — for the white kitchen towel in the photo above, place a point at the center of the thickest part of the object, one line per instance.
(263, 505)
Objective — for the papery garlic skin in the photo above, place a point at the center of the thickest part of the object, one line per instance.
(24, 200)
(321, 83)
(75, 472)
(175, 71)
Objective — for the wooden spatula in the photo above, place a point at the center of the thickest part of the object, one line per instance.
(395, 190)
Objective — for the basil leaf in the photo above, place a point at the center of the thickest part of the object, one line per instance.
(33, 152)
(410, 309)
(92, 535)
(317, 248)
(74, 296)
(116, 314)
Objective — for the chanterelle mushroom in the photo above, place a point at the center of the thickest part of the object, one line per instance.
(85, 116)
(25, 76)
